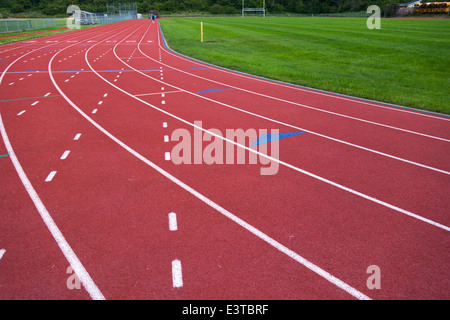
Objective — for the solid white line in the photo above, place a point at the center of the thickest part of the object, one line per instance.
(173, 226)
(50, 176)
(65, 154)
(77, 136)
(70, 255)
(177, 275)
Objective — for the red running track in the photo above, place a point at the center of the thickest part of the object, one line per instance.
(86, 185)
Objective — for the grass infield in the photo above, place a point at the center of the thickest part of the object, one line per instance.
(406, 62)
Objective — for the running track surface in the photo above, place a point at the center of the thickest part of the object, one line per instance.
(86, 186)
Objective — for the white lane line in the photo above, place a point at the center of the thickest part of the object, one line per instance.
(177, 274)
(35, 103)
(2, 252)
(94, 111)
(70, 255)
(11, 83)
(166, 138)
(173, 225)
(100, 102)
(163, 102)
(164, 124)
(77, 136)
(156, 93)
(47, 94)
(50, 176)
(21, 112)
(105, 95)
(65, 154)
(167, 156)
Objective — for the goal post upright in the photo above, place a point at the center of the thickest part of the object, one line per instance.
(260, 9)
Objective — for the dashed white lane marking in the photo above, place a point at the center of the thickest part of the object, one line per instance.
(35, 103)
(47, 94)
(173, 225)
(166, 138)
(21, 112)
(163, 102)
(167, 155)
(105, 95)
(11, 83)
(65, 154)
(50, 176)
(2, 252)
(70, 255)
(177, 275)
(77, 136)
(94, 111)
(100, 102)
(164, 124)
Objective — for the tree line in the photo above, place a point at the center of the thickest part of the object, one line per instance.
(58, 7)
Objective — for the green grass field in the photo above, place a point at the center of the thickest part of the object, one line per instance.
(406, 62)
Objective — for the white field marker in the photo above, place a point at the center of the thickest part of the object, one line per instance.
(50, 176)
(177, 276)
(173, 226)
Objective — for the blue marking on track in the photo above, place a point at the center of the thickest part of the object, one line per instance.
(214, 90)
(269, 137)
